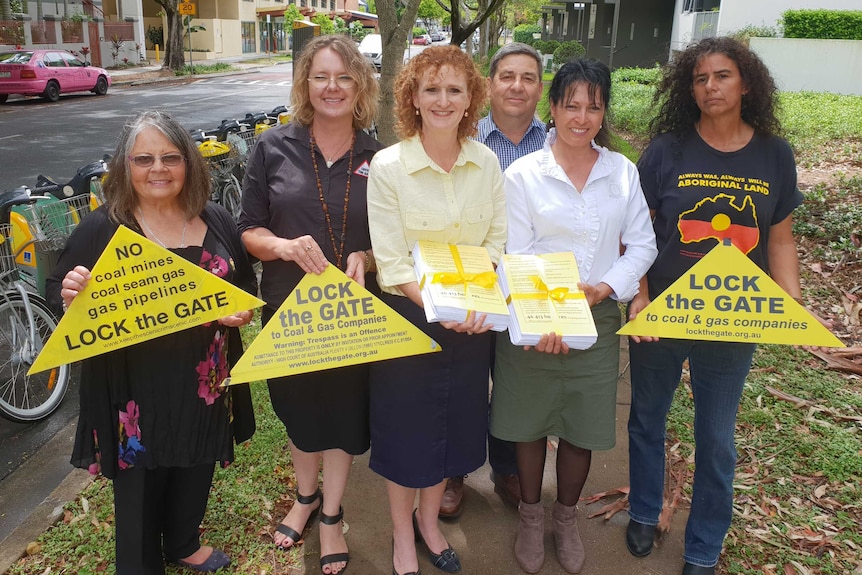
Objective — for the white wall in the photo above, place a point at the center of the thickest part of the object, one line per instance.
(736, 14)
(814, 65)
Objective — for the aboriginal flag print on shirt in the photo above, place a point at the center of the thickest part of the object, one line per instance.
(719, 218)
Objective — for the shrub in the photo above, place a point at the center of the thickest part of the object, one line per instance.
(645, 76)
(418, 31)
(745, 33)
(823, 24)
(568, 51)
(524, 33)
(546, 46)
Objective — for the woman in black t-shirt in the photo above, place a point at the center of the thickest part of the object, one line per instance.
(717, 118)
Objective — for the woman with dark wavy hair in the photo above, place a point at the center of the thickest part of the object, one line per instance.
(717, 119)
(429, 413)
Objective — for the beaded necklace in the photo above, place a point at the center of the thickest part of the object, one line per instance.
(339, 253)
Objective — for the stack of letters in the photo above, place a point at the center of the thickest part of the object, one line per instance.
(455, 280)
(543, 297)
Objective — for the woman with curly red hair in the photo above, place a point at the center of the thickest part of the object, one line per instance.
(429, 413)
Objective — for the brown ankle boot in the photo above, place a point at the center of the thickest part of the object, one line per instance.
(570, 550)
(530, 538)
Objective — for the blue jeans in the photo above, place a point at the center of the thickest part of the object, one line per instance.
(718, 371)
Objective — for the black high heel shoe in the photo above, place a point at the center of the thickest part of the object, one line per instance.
(302, 500)
(446, 561)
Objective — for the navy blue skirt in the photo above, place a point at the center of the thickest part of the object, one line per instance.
(429, 413)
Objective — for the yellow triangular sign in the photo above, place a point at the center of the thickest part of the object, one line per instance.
(138, 291)
(328, 321)
(726, 297)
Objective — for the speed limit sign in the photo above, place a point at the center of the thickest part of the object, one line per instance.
(186, 8)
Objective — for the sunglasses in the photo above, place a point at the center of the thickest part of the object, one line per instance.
(148, 161)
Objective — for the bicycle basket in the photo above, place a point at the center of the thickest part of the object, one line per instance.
(7, 253)
(243, 141)
(51, 222)
(221, 156)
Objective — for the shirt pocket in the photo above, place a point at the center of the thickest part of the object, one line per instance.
(479, 213)
(425, 221)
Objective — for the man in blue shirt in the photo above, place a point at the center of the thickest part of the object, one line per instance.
(511, 130)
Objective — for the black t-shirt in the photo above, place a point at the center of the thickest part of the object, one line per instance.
(702, 196)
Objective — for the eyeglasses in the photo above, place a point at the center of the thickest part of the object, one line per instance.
(148, 161)
(344, 81)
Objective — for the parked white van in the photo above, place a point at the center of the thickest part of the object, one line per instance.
(372, 48)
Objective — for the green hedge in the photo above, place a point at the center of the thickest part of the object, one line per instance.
(645, 76)
(823, 24)
(524, 33)
(546, 46)
(568, 51)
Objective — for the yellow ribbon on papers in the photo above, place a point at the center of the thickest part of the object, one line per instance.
(558, 295)
(485, 279)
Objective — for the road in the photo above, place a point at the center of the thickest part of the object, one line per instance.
(55, 139)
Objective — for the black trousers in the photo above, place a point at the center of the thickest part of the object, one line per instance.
(158, 513)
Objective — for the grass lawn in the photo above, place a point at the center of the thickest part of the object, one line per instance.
(798, 500)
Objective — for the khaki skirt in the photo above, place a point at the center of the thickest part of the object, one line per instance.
(570, 396)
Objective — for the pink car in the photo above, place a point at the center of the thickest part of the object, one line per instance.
(48, 73)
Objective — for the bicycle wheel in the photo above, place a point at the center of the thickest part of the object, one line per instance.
(231, 195)
(24, 398)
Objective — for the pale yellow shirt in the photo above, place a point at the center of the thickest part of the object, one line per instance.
(411, 198)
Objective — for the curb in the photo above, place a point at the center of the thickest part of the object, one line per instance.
(118, 81)
(47, 513)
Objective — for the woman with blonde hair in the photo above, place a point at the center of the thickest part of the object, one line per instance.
(304, 207)
(429, 413)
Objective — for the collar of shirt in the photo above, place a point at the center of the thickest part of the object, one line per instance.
(549, 166)
(487, 126)
(300, 133)
(415, 157)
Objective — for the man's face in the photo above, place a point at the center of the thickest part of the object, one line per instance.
(516, 87)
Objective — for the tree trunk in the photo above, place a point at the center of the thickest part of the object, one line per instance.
(5, 10)
(174, 57)
(393, 34)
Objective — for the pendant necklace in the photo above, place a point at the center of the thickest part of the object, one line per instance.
(330, 161)
(339, 252)
(155, 237)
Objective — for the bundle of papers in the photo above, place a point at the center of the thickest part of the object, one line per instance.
(455, 280)
(543, 297)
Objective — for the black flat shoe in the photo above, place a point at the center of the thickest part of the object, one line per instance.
(394, 572)
(446, 561)
(640, 538)
(691, 569)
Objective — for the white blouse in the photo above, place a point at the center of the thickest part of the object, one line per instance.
(547, 214)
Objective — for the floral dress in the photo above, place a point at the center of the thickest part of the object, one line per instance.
(157, 403)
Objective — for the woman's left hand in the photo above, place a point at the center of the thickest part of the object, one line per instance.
(355, 269)
(238, 319)
(473, 324)
(595, 294)
(550, 343)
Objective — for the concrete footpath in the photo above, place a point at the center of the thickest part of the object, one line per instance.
(484, 534)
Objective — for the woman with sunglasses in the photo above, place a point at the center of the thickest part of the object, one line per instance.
(303, 208)
(156, 427)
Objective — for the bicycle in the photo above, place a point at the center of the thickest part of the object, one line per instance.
(26, 321)
(223, 159)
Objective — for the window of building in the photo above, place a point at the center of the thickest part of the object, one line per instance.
(700, 5)
(332, 5)
(247, 37)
